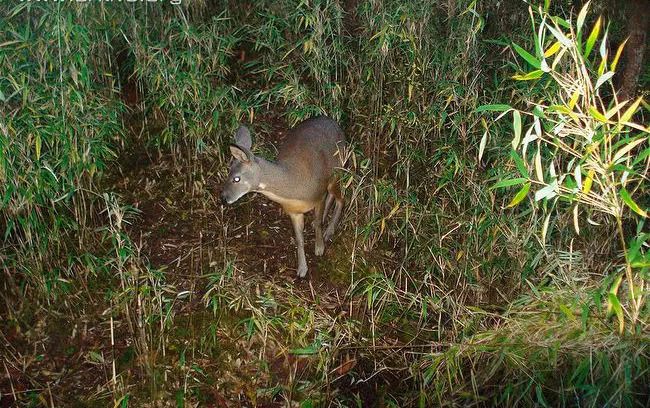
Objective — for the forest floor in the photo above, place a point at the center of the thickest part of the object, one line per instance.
(238, 316)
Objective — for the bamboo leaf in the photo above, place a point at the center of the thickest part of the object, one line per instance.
(481, 148)
(597, 115)
(548, 191)
(493, 108)
(552, 49)
(529, 76)
(618, 310)
(521, 166)
(545, 227)
(629, 112)
(595, 32)
(538, 165)
(604, 78)
(619, 51)
(527, 56)
(521, 194)
(576, 225)
(627, 199)
(626, 149)
(581, 17)
(509, 183)
(588, 182)
(516, 124)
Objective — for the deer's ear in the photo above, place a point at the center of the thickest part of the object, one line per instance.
(240, 153)
(243, 137)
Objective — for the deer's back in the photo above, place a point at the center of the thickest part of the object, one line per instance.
(310, 151)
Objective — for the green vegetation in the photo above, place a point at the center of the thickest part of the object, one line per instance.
(494, 248)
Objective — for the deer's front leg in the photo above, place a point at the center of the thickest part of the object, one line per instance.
(298, 221)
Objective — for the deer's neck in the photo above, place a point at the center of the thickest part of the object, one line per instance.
(275, 180)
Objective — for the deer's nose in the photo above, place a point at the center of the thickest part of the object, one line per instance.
(224, 201)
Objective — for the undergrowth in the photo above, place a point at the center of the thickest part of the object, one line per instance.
(126, 283)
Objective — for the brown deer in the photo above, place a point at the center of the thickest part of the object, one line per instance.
(302, 179)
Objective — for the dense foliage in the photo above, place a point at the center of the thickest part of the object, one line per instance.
(494, 247)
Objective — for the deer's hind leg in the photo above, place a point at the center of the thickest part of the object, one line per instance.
(328, 203)
(334, 191)
(319, 247)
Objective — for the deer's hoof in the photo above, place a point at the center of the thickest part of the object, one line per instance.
(319, 249)
(329, 233)
(302, 271)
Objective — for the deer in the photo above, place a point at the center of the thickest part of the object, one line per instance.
(301, 179)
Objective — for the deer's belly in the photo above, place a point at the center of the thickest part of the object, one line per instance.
(291, 205)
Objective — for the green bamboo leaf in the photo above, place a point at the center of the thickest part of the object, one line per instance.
(527, 56)
(519, 197)
(521, 166)
(615, 305)
(493, 108)
(509, 183)
(595, 32)
(627, 199)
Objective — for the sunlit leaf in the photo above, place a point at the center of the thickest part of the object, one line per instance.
(629, 112)
(597, 115)
(548, 191)
(588, 182)
(595, 32)
(619, 51)
(552, 49)
(626, 149)
(529, 76)
(581, 16)
(481, 148)
(603, 78)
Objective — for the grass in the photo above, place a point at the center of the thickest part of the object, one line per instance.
(458, 278)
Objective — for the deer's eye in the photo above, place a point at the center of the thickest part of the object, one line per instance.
(235, 179)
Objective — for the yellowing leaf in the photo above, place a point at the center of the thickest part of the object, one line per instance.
(588, 182)
(619, 51)
(595, 32)
(529, 76)
(521, 194)
(626, 149)
(630, 111)
(574, 99)
(552, 49)
(38, 144)
(597, 115)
